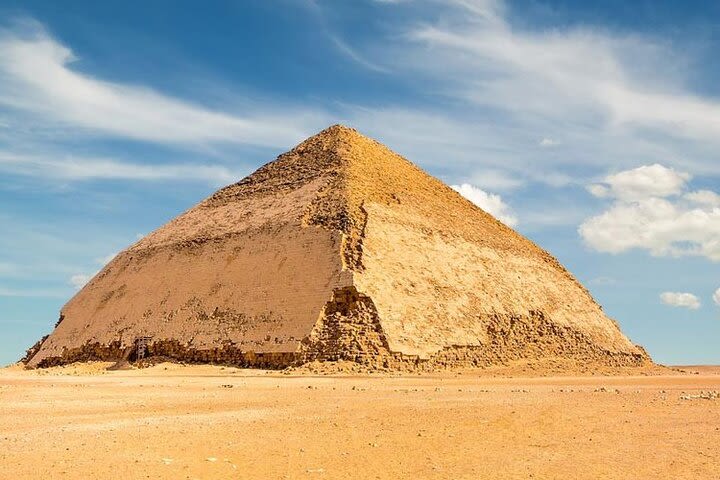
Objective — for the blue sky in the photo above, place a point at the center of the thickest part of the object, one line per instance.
(593, 129)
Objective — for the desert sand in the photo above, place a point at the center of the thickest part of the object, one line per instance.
(178, 422)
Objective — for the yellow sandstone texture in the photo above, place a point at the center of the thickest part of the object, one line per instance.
(338, 250)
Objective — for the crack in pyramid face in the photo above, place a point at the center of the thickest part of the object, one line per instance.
(338, 249)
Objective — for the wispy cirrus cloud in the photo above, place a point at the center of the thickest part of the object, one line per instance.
(592, 97)
(52, 165)
(32, 292)
(41, 80)
(548, 143)
(49, 105)
(344, 48)
(604, 77)
(39, 255)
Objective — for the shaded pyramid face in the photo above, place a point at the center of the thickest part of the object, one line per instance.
(338, 250)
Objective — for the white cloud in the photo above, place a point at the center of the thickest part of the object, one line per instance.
(491, 203)
(602, 76)
(553, 179)
(79, 168)
(644, 217)
(38, 78)
(79, 280)
(657, 225)
(678, 299)
(597, 190)
(704, 197)
(31, 292)
(614, 99)
(106, 259)
(643, 182)
(548, 142)
(716, 297)
(351, 53)
(497, 180)
(495, 158)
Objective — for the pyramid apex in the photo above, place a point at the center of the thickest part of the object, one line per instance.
(336, 132)
(339, 128)
(337, 138)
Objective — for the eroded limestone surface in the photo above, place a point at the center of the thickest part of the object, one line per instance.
(338, 250)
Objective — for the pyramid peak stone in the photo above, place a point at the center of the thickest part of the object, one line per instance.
(339, 249)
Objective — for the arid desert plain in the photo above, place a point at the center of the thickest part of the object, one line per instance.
(177, 422)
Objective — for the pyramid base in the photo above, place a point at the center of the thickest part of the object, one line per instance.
(349, 330)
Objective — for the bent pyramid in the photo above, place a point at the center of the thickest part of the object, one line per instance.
(338, 250)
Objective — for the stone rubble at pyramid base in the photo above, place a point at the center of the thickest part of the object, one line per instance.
(350, 332)
(448, 358)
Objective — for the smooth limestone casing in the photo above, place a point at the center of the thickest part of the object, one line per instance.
(433, 290)
(258, 280)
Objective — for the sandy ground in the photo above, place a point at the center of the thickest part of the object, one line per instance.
(208, 422)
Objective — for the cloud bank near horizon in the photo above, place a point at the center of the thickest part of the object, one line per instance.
(653, 210)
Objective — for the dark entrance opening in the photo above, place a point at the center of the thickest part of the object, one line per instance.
(141, 348)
